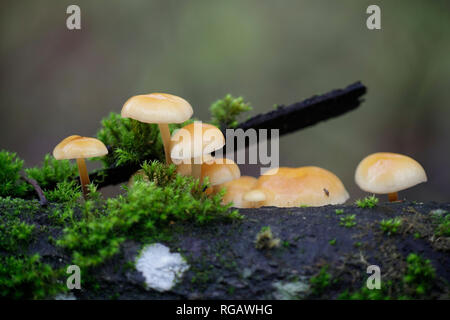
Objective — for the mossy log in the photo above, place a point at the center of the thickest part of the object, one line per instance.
(225, 264)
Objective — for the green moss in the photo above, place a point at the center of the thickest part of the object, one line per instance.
(348, 221)
(144, 213)
(132, 141)
(224, 112)
(15, 234)
(65, 192)
(390, 226)
(339, 211)
(416, 282)
(420, 274)
(52, 171)
(442, 223)
(10, 183)
(332, 242)
(367, 202)
(366, 294)
(28, 278)
(321, 281)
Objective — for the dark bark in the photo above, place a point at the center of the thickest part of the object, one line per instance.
(225, 264)
(287, 119)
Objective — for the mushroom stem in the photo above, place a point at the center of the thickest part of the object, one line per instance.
(84, 176)
(393, 196)
(165, 136)
(197, 167)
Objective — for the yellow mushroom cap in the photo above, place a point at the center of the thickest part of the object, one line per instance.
(386, 172)
(195, 140)
(219, 171)
(157, 108)
(74, 147)
(289, 187)
(235, 190)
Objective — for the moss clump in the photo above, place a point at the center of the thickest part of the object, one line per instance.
(420, 274)
(415, 282)
(367, 202)
(339, 211)
(144, 213)
(131, 141)
(67, 192)
(320, 281)
(52, 172)
(14, 234)
(266, 240)
(390, 226)
(10, 183)
(224, 112)
(348, 221)
(366, 294)
(442, 222)
(28, 278)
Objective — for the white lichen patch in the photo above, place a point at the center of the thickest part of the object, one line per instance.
(291, 290)
(65, 296)
(160, 268)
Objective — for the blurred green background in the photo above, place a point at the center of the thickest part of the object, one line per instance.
(56, 82)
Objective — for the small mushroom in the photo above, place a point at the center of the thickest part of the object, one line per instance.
(159, 108)
(235, 190)
(291, 187)
(191, 143)
(388, 173)
(220, 170)
(77, 147)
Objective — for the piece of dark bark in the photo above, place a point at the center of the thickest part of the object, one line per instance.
(42, 199)
(287, 119)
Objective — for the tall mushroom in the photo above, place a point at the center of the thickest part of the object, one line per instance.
(388, 173)
(192, 142)
(159, 108)
(77, 147)
(290, 187)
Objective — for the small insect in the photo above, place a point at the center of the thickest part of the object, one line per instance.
(327, 193)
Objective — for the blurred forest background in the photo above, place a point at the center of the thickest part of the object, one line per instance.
(56, 82)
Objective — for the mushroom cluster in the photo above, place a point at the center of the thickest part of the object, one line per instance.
(191, 148)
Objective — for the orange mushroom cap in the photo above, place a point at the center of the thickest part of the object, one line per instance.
(157, 108)
(386, 172)
(290, 187)
(74, 147)
(235, 190)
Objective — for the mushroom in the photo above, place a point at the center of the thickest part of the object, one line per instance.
(290, 187)
(191, 143)
(386, 172)
(159, 108)
(235, 190)
(220, 170)
(77, 147)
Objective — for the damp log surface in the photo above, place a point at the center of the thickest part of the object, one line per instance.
(224, 263)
